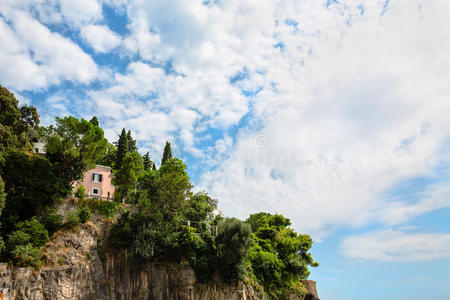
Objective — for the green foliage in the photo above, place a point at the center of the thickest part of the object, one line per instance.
(52, 220)
(233, 241)
(122, 149)
(31, 184)
(27, 255)
(200, 207)
(22, 251)
(18, 126)
(167, 154)
(103, 208)
(109, 157)
(121, 233)
(131, 142)
(72, 218)
(81, 192)
(73, 146)
(94, 121)
(279, 256)
(172, 188)
(2, 195)
(16, 238)
(85, 213)
(126, 177)
(35, 229)
(148, 164)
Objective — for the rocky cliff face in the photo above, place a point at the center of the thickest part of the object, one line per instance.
(74, 270)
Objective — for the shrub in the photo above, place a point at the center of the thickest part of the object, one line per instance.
(15, 239)
(52, 220)
(81, 192)
(85, 214)
(36, 230)
(103, 208)
(72, 218)
(27, 255)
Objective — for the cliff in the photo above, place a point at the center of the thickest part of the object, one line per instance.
(77, 267)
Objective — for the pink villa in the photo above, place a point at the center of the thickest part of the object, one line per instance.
(97, 183)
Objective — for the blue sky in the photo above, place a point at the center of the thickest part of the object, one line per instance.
(333, 113)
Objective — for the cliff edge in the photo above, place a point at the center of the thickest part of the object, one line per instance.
(77, 267)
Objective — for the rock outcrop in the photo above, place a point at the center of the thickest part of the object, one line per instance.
(74, 270)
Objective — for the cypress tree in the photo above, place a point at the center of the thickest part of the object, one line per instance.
(147, 162)
(131, 142)
(154, 167)
(122, 148)
(167, 154)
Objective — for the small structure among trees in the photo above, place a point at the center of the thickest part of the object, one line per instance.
(97, 183)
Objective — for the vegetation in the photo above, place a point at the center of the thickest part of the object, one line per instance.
(163, 221)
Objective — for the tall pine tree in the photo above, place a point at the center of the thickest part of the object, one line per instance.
(167, 153)
(131, 142)
(122, 149)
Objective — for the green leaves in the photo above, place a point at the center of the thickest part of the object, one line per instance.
(74, 146)
(126, 177)
(279, 256)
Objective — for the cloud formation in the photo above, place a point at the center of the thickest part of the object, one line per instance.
(397, 246)
(314, 109)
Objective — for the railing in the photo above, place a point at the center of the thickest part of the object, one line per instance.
(100, 197)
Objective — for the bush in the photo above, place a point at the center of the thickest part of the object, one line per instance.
(85, 213)
(103, 208)
(73, 218)
(81, 192)
(52, 220)
(27, 255)
(16, 238)
(36, 230)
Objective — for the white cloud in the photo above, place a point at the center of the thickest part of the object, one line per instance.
(367, 109)
(397, 246)
(349, 99)
(34, 57)
(100, 37)
(81, 12)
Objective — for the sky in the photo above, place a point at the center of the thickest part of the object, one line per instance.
(332, 113)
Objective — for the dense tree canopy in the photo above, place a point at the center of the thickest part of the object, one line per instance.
(74, 146)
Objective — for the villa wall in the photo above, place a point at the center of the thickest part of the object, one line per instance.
(103, 187)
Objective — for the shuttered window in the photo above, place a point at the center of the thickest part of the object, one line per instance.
(97, 177)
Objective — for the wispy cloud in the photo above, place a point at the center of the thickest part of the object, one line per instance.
(397, 246)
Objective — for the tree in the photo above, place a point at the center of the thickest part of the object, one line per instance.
(2, 195)
(147, 162)
(131, 142)
(31, 183)
(233, 241)
(17, 125)
(172, 189)
(94, 121)
(109, 158)
(122, 149)
(126, 177)
(200, 207)
(167, 154)
(73, 146)
(279, 256)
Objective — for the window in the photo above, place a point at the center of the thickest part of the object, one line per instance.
(37, 150)
(97, 177)
(95, 191)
